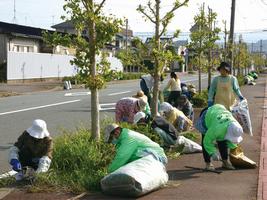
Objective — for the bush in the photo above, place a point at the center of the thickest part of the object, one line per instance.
(78, 163)
(131, 76)
(191, 72)
(200, 100)
(241, 80)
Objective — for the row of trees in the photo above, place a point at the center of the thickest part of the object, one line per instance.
(88, 15)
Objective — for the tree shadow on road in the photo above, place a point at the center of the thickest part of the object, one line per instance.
(183, 174)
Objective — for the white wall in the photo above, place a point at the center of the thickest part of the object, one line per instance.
(41, 65)
(38, 65)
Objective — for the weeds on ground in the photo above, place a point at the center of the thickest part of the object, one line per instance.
(79, 162)
(200, 100)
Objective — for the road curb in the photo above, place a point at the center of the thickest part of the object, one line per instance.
(4, 192)
(262, 179)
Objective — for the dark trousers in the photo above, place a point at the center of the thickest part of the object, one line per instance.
(27, 160)
(145, 89)
(173, 98)
(222, 146)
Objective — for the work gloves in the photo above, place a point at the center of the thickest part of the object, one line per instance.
(216, 157)
(16, 166)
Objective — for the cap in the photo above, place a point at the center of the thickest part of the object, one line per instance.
(138, 116)
(109, 128)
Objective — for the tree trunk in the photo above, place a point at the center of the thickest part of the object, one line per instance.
(199, 74)
(95, 114)
(95, 128)
(154, 107)
(209, 69)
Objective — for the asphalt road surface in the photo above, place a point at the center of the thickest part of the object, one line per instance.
(62, 110)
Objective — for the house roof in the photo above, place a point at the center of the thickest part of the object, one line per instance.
(20, 30)
(69, 25)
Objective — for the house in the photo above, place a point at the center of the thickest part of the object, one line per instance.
(24, 56)
(20, 39)
(121, 40)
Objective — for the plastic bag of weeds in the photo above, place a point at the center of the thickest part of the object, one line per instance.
(136, 178)
(189, 145)
(239, 160)
(240, 112)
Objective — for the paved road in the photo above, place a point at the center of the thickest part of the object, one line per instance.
(59, 111)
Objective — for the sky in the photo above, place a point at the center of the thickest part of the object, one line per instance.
(250, 14)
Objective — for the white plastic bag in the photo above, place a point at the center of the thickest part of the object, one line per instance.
(136, 178)
(189, 145)
(240, 112)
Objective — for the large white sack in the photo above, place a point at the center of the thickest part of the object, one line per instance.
(240, 112)
(136, 178)
(189, 145)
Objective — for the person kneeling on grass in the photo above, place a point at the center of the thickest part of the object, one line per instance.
(218, 125)
(175, 117)
(130, 146)
(33, 149)
(127, 107)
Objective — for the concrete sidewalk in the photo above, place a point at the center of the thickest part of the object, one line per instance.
(194, 184)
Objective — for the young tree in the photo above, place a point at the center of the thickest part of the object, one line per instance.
(134, 55)
(213, 36)
(203, 37)
(87, 17)
(159, 54)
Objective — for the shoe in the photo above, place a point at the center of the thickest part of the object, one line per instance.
(210, 167)
(227, 165)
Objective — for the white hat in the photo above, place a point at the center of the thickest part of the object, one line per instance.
(234, 133)
(165, 107)
(138, 116)
(38, 129)
(109, 128)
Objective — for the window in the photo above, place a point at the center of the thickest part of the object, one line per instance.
(23, 48)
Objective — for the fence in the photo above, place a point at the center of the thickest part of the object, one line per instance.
(23, 66)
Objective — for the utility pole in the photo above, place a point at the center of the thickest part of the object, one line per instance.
(126, 35)
(231, 35)
(14, 13)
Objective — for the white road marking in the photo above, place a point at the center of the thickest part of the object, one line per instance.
(113, 94)
(39, 107)
(196, 79)
(10, 173)
(77, 94)
(105, 105)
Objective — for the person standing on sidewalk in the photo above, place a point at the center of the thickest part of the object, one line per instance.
(32, 149)
(175, 89)
(146, 85)
(224, 88)
(217, 124)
